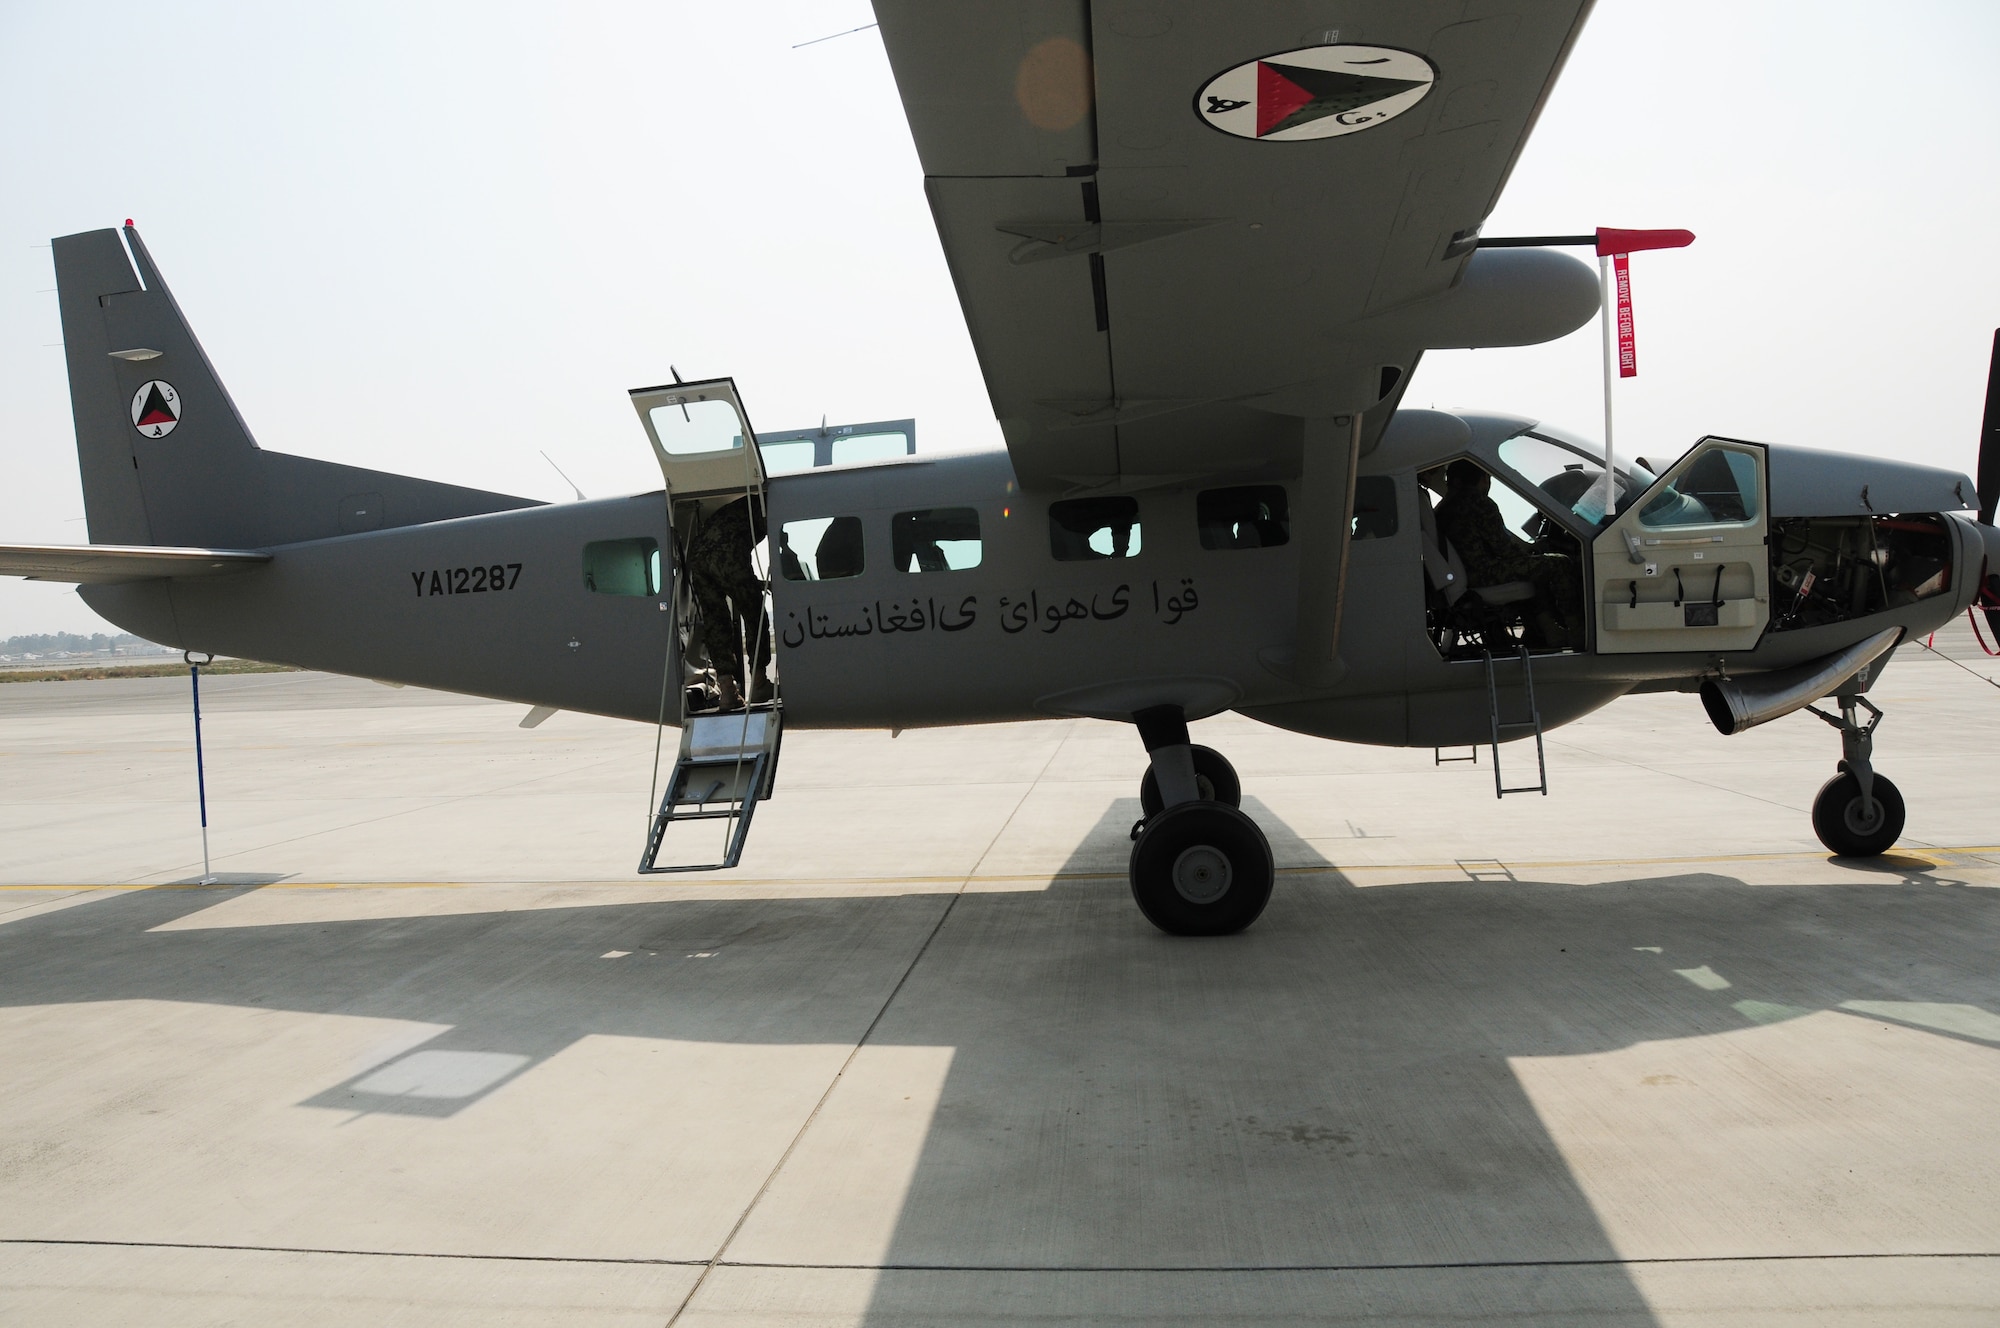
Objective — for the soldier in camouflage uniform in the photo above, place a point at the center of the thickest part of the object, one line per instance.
(731, 598)
(1471, 523)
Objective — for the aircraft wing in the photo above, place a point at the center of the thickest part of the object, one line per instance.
(1177, 228)
(102, 564)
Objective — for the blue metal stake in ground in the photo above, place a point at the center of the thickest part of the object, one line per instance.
(200, 779)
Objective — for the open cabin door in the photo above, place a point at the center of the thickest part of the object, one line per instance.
(702, 438)
(1685, 566)
(729, 707)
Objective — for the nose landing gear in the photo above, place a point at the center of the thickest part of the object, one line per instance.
(1200, 867)
(1858, 813)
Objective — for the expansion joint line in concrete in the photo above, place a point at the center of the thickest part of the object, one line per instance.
(225, 1248)
(866, 1033)
(710, 1265)
(1204, 1269)
(1443, 1265)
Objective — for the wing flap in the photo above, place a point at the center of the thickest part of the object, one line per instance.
(1033, 324)
(106, 564)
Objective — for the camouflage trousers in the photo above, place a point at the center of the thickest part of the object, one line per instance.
(728, 595)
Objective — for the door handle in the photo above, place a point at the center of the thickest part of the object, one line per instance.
(1697, 539)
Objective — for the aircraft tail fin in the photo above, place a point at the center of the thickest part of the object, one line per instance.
(166, 458)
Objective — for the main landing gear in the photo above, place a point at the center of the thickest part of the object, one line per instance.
(1200, 867)
(1858, 813)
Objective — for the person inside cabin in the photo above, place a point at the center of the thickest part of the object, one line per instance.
(839, 553)
(1470, 522)
(731, 598)
(788, 559)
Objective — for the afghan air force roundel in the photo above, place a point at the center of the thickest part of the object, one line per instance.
(1314, 92)
(156, 409)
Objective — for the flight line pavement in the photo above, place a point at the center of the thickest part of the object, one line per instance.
(1636, 1053)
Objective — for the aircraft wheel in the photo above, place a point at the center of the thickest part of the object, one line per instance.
(1213, 776)
(1201, 869)
(1852, 829)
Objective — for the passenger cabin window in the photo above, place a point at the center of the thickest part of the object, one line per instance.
(1253, 516)
(1084, 529)
(1721, 487)
(870, 447)
(825, 548)
(1374, 507)
(622, 567)
(937, 539)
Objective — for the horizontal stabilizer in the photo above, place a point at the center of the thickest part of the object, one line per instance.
(104, 564)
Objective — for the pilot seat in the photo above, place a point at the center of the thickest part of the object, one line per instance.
(1467, 621)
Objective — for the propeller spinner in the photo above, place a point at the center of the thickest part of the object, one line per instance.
(1989, 440)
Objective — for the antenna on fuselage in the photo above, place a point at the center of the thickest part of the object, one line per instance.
(830, 36)
(566, 479)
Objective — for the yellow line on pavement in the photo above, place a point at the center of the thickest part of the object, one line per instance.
(1929, 855)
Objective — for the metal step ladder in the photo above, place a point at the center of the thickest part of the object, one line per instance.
(727, 765)
(1533, 721)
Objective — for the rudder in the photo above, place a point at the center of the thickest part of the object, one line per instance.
(93, 275)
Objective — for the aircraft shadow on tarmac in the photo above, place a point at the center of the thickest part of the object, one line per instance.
(1329, 1090)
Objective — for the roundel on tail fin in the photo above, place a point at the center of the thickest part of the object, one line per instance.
(156, 408)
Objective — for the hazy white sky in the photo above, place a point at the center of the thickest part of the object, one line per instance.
(439, 238)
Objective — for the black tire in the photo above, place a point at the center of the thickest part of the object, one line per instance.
(1213, 776)
(1838, 820)
(1201, 869)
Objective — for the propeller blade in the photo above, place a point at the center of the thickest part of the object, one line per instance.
(1989, 440)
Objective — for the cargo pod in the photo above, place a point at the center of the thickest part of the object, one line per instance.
(1685, 567)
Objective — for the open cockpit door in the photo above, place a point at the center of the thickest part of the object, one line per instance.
(1685, 566)
(730, 712)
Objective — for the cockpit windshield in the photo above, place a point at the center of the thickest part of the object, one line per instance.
(1566, 467)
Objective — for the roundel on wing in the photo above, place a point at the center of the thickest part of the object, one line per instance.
(1314, 92)
(156, 408)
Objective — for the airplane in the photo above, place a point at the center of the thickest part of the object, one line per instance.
(1200, 255)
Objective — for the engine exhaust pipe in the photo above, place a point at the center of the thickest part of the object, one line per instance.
(1736, 704)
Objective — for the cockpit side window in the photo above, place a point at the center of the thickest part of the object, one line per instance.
(1721, 487)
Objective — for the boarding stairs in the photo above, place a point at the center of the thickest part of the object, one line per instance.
(727, 764)
(1531, 721)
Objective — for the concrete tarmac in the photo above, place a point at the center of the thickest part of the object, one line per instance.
(1636, 1053)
